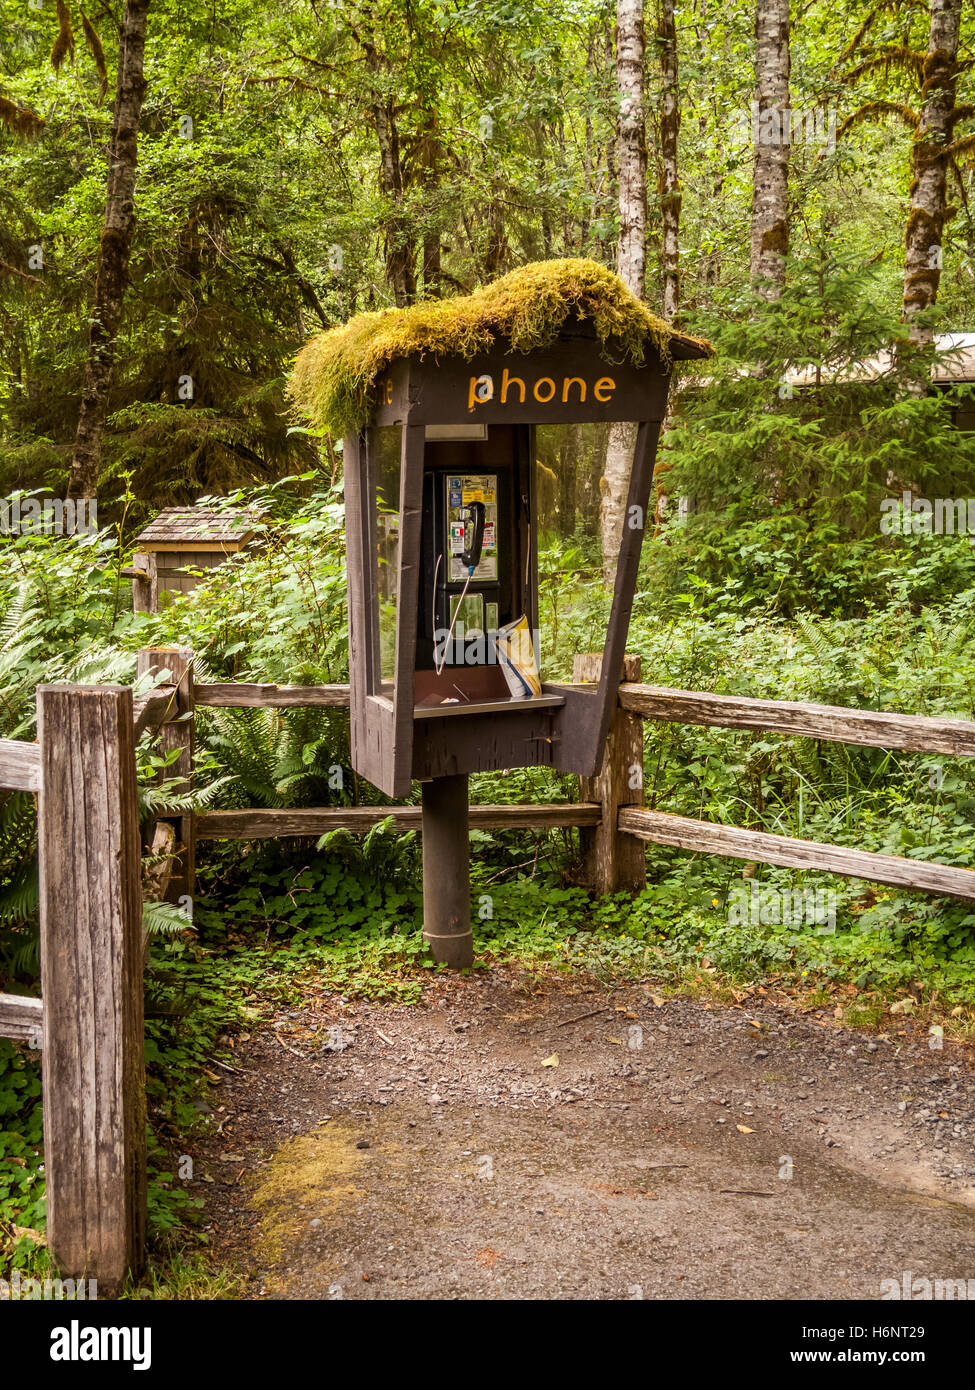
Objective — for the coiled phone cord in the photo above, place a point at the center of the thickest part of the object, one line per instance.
(460, 603)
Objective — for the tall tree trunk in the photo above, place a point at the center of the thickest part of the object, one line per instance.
(430, 159)
(711, 269)
(432, 268)
(590, 160)
(112, 274)
(399, 251)
(613, 173)
(929, 186)
(669, 179)
(496, 249)
(631, 251)
(770, 191)
(670, 204)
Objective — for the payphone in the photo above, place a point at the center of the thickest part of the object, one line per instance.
(476, 575)
(462, 512)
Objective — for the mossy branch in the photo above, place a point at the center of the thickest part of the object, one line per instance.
(64, 43)
(891, 56)
(877, 110)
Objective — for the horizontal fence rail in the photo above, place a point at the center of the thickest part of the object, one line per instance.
(20, 765)
(231, 695)
(706, 837)
(912, 733)
(258, 824)
(618, 820)
(21, 1017)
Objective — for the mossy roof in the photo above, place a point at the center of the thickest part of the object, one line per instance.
(336, 372)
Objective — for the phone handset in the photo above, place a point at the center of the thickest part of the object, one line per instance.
(470, 557)
(474, 516)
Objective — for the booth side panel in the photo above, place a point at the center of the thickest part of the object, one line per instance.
(577, 727)
(376, 746)
(365, 725)
(411, 521)
(635, 521)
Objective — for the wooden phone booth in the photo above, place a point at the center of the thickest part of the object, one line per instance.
(440, 487)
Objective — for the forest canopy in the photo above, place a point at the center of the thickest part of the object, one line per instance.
(301, 165)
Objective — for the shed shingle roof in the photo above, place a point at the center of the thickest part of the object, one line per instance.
(199, 524)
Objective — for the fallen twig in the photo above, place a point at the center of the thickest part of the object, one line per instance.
(293, 1050)
(608, 1008)
(226, 1066)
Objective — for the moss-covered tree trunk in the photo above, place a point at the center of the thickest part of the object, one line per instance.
(770, 187)
(631, 250)
(399, 249)
(929, 185)
(430, 156)
(669, 178)
(668, 185)
(112, 273)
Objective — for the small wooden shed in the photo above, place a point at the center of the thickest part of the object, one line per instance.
(199, 537)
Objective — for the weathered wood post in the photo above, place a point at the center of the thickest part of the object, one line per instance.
(91, 982)
(447, 871)
(177, 732)
(145, 582)
(614, 862)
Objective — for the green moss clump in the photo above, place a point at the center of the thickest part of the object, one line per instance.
(335, 373)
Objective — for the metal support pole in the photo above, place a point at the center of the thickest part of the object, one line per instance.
(446, 872)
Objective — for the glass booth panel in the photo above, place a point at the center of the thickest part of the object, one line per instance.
(385, 450)
(573, 606)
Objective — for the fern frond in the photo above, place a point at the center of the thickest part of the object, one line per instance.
(23, 957)
(19, 897)
(164, 919)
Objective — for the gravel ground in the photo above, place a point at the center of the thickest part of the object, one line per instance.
(499, 1142)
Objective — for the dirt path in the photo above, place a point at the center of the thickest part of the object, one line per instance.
(675, 1150)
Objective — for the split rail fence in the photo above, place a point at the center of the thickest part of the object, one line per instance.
(88, 1021)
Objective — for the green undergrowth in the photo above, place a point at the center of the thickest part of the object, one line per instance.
(357, 930)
